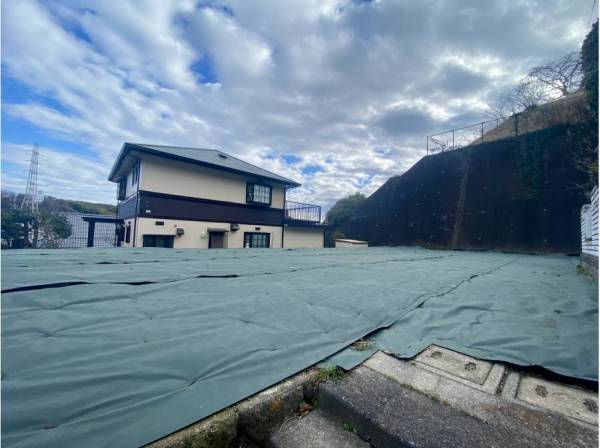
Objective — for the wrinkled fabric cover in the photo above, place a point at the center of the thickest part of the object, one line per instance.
(120, 347)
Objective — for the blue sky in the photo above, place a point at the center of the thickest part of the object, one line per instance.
(338, 95)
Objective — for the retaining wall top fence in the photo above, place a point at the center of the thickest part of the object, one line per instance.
(570, 109)
(460, 137)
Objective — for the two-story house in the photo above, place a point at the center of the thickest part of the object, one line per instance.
(203, 198)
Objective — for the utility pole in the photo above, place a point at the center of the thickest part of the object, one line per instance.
(30, 200)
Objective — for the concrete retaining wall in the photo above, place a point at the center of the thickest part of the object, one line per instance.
(510, 195)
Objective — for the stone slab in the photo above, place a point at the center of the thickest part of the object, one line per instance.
(315, 430)
(569, 401)
(454, 363)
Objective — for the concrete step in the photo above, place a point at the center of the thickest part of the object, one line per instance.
(315, 430)
(555, 414)
(388, 414)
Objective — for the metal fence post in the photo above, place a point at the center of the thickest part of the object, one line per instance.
(90, 235)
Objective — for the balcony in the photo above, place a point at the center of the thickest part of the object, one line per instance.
(302, 213)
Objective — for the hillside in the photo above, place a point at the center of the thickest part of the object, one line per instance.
(516, 194)
(52, 204)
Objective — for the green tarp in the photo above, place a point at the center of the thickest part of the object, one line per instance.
(119, 347)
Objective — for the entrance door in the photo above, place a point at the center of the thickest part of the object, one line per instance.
(216, 240)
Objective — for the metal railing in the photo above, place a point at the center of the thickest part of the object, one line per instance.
(460, 137)
(513, 125)
(297, 211)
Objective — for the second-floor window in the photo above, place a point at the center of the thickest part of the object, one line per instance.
(258, 194)
(135, 174)
(122, 189)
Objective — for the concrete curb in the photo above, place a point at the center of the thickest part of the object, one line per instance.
(252, 419)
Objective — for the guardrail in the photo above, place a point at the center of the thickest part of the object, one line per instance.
(297, 211)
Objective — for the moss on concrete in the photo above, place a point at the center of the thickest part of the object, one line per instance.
(217, 431)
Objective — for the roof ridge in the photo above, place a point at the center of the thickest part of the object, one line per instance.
(172, 146)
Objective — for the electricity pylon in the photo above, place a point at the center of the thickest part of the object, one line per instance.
(30, 199)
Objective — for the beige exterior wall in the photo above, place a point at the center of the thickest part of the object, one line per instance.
(342, 243)
(296, 238)
(173, 177)
(196, 233)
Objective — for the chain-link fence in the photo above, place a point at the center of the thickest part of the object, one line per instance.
(104, 235)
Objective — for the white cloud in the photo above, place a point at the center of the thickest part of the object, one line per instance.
(351, 89)
(238, 53)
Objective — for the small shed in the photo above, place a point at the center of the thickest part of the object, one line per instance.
(340, 242)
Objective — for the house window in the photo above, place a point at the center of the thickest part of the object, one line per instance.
(158, 240)
(257, 239)
(135, 174)
(122, 189)
(258, 194)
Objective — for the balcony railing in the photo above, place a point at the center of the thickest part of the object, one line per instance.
(297, 211)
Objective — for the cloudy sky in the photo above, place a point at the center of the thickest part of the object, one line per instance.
(338, 95)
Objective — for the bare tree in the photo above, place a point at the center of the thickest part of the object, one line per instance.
(542, 84)
(524, 96)
(564, 75)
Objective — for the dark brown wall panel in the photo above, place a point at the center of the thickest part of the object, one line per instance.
(156, 205)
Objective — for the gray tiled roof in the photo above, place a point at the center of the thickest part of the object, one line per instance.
(209, 157)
